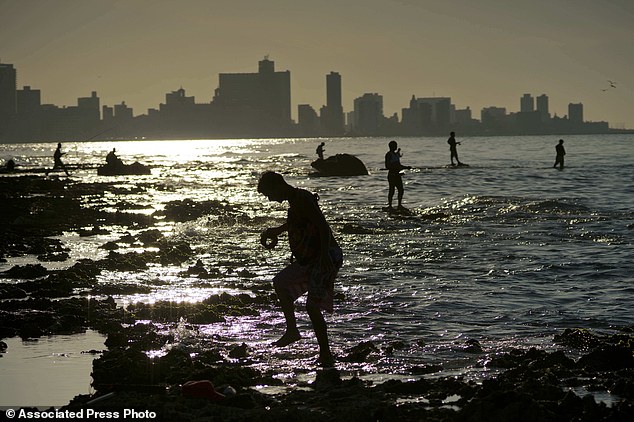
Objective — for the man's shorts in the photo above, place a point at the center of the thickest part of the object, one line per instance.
(298, 279)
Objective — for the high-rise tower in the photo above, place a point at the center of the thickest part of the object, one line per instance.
(8, 96)
(542, 107)
(527, 103)
(332, 117)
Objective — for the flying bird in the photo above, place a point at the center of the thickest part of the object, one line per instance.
(612, 84)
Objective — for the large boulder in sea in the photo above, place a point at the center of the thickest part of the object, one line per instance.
(135, 168)
(340, 165)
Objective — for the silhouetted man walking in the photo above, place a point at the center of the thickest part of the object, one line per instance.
(561, 151)
(317, 259)
(57, 156)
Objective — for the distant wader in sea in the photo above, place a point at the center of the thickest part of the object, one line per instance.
(453, 151)
(559, 160)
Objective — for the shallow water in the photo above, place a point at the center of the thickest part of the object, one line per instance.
(507, 251)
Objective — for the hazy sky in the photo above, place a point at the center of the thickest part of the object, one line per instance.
(478, 52)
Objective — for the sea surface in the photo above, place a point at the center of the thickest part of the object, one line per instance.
(507, 251)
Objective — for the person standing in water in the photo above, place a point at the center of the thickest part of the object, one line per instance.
(453, 151)
(57, 157)
(561, 151)
(394, 179)
(317, 259)
(320, 151)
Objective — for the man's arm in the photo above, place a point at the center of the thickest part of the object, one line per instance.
(276, 231)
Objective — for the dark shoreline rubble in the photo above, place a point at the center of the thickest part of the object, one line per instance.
(528, 385)
(536, 386)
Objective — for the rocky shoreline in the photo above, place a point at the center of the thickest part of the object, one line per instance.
(532, 385)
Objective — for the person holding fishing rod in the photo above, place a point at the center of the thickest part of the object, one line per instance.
(394, 179)
(453, 151)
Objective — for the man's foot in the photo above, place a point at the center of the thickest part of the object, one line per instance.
(287, 338)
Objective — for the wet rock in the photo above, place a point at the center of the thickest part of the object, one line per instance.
(119, 367)
(197, 269)
(350, 228)
(237, 352)
(187, 210)
(361, 352)
(149, 237)
(30, 330)
(8, 291)
(608, 358)
(120, 289)
(110, 246)
(472, 346)
(578, 338)
(28, 271)
(54, 257)
(327, 378)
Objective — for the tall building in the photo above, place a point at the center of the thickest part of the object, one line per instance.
(440, 110)
(332, 117)
(494, 119)
(575, 113)
(307, 120)
(542, 107)
(368, 114)
(8, 97)
(29, 107)
(255, 100)
(527, 103)
(462, 116)
(28, 100)
(122, 111)
(89, 112)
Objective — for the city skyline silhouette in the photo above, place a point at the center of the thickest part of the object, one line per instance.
(258, 105)
(479, 55)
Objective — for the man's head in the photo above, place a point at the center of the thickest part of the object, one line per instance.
(59, 145)
(452, 134)
(561, 141)
(392, 145)
(273, 186)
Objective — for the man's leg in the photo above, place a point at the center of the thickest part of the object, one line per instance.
(289, 284)
(321, 332)
(288, 308)
(390, 192)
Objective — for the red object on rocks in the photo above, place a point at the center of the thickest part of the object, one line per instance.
(201, 389)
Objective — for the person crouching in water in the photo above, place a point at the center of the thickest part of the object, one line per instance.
(317, 259)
